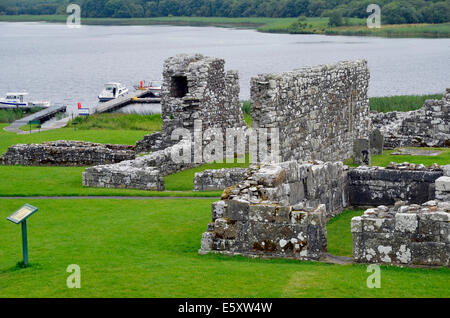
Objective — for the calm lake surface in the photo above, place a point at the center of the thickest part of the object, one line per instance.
(64, 65)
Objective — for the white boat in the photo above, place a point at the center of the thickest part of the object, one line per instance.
(153, 86)
(112, 91)
(17, 100)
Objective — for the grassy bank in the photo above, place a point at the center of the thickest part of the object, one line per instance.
(149, 249)
(117, 121)
(400, 103)
(356, 26)
(10, 115)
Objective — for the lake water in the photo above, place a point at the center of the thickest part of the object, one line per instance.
(64, 65)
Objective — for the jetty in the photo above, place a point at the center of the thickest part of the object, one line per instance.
(140, 96)
(41, 117)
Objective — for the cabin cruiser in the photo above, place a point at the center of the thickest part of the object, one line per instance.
(17, 100)
(112, 91)
(154, 87)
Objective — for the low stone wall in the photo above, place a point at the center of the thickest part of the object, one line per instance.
(213, 180)
(145, 173)
(152, 142)
(407, 235)
(266, 230)
(66, 153)
(278, 211)
(384, 186)
(443, 188)
(123, 176)
(426, 127)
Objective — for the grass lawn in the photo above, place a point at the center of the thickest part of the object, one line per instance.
(149, 249)
(387, 157)
(384, 159)
(126, 137)
(117, 121)
(339, 236)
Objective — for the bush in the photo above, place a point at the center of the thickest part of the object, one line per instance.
(335, 18)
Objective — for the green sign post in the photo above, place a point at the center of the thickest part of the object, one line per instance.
(35, 122)
(20, 217)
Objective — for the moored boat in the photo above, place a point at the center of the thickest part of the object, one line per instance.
(18, 100)
(112, 91)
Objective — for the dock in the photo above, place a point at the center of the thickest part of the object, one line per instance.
(41, 116)
(140, 96)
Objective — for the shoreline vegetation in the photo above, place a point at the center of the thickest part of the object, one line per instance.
(354, 27)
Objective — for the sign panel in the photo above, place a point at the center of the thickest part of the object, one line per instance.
(83, 111)
(22, 214)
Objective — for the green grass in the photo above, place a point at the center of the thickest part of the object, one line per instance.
(400, 103)
(184, 180)
(10, 115)
(149, 249)
(116, 121)
(386, 158)
(66, 181)
(274, 25)
(127, 137)
(339, 235)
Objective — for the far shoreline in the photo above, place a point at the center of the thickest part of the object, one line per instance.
(317, 26)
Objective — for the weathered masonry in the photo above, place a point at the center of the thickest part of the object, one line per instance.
(397, 182)
(404, 234)
(66, 153)
(281, 210)
(217, 180)
(277, 211)
(195, 88)
(320, 110)
(426, 127)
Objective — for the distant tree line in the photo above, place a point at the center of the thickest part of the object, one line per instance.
(393, 11)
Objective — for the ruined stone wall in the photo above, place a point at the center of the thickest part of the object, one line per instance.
(319, 110)
(145, 172)
(278, 211)
(406, 235)
(66, 153)
(196, 87)
(214, 180)
(426, 127)
(443, 188)
(397, 182)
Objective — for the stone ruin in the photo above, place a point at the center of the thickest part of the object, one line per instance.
(194, 87)
(217, 180)
(428, 126)
(319, 111)
(404, 235)
(67, 153)
(281, 210)
(278, 211)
